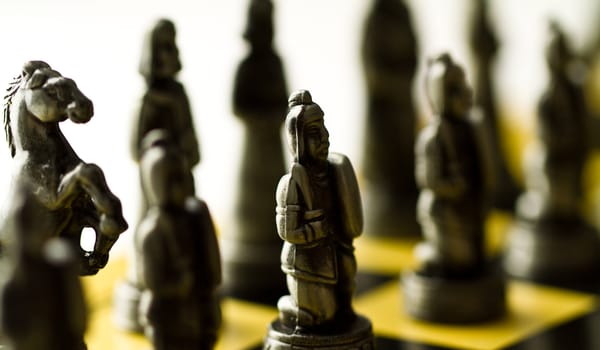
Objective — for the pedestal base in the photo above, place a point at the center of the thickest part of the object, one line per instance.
(126, 307)
(564, 253)
(355, 336)
(442, 300)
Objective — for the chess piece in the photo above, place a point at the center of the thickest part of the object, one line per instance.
(455, 283)
(74, 193)
(389, 54)
(485, 47)
(319, 214)
(164, 106)
(41, 299)
(551, 242)
(179, 261)
(251, 247)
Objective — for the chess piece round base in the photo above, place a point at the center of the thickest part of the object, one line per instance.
(356, 336)
(252, 270)
(565, 253)
(442, 300)
(126, 307)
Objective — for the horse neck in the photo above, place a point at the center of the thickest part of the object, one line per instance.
(36, 137)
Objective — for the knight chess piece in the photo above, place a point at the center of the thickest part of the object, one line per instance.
(455, 283)
(319, 214)
(74, 193)
(178, 256)
(251, 246)
(389, 54)
(484, 43)
(551, 242)
(165, 106)
(41, 299)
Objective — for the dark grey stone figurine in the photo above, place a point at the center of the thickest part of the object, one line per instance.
(250, 248)
(551, 242)
(165, 106)
(41, 299)
(389, 52)
(485, 47)
(178, 255)
(74, 193)
(455, 283)
(319, 214)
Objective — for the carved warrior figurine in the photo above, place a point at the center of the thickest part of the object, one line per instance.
(74, 193)
(179, 261)
(251, 246)
(389, 54)
(551, 241)
(319, 214)
(484, 43)
(41, 299)
(455, 283)
(164, 106)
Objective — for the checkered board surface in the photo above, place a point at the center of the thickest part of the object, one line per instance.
(538, 317)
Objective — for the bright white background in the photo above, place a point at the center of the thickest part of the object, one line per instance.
(97, 43)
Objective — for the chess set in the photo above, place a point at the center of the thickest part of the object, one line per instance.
(434, 245)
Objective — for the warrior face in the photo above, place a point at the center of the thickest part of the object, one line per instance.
(316, 140)
(447, 89)
(160, 57)
(459, 97)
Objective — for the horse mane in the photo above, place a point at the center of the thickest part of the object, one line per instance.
(11, 91)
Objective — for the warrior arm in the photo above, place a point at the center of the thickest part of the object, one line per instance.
(429, 169)
(296, 224)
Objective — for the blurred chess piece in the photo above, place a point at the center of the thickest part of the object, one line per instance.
(319, 214)
(177, 253)
(251, 246)
(41, 299)
(456, 282)
(389, 53)
(485, 47)
(551, 242)
(165, 106)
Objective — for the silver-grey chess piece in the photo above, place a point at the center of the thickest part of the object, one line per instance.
(551, 241)
(250, 246)
(455, 283)
(319, 214)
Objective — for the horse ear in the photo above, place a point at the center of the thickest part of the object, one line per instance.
(32, 66)
(36, 80)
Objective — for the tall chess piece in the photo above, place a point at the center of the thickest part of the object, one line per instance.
(251, 246)
(319, 214)
(41, 299)
(551, 242)
(485, 47)
(389, 54)
(73, 193)
(178, 256)
(164, 106)
(455, 283)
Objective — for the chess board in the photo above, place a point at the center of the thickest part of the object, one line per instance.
(538, 317)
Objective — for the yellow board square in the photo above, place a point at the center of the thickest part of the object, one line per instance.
(531, 308)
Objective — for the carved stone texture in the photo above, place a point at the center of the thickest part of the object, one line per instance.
(319, 213)
(451, 171)
(74, 193)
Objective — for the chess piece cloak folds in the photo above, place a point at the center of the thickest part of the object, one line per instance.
(41, 299)
(389, 54)
(179, 261)
(251, 246)
(551, 242)
(74, 193)
(165, 106)
(455, 283)
(319, 214)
